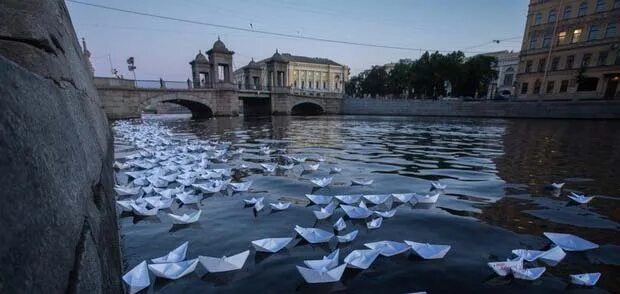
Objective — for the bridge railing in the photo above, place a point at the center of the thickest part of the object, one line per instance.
(110, 82)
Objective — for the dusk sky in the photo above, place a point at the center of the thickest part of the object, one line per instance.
(163, 48)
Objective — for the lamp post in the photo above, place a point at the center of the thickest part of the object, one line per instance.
(131, 67)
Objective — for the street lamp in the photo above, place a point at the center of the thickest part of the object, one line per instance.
(131, 67)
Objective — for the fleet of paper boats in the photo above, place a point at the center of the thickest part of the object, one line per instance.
(167, 170)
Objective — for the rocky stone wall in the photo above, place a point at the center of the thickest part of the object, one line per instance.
(57, 213)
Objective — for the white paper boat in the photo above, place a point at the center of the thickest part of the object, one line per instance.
(319, 199)
(375, 223)
(125, 205)
(570, 242)
(137, 278)
(156, 181)
(311, 166)
(127, 191)
(313, 276)
(528, 255)
(169, 178)
(174, 270)
(259, 205)
(253, 200)
(427, 199)
(329, 261)
(213, 186)
(286, 166)
(552, 256)
(268, 167)
(529, 274)
(438, 186)
(186, 182)
(404, 198)
(386, 214)
(322, 182)
(557, 186)
(347, 237)
(271, 245)
(580, 198)
(224, 264)
(298, 159)
(356, 212)
(143, 211)
(388, 248)
(148, 189)
(169, 193)
(187, 198)
(335, 170)
(429, 251)
(363, 182)
(340, 224)
(504, 268)
(326, 211)
(361, 259)
(159, 202)
(185, 218)
(314, 235)
(587, 279)
(176, 255)
(120, 165)
(240, 187)
(141, 182)
(280, 205)
(377, 199)
(349, 199)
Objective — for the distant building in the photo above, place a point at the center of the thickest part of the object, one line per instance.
(299, 73)
(570, 50)
(390, 66)
(507, 67)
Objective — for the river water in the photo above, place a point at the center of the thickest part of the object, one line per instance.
(496, 171)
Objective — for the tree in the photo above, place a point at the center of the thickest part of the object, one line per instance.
(375, 82)
(476, 76)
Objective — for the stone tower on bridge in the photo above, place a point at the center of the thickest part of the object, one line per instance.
(214, 72)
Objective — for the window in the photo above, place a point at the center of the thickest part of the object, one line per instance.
(600, 5)
(586, 59)
(524, 88)
(303, 84)
(546, 41)
(324, 85)
(533, 41)
(317, 85)
(564, 86)
(570, 60)
(295, 84)
(508, 78)
(576, 35)
(583, 9)
(587, 84)
(593, 34)
(610, 31)
(221, 72)
(562, 38)
(538, 18)
(602, 58)
(568, 10)
(550, 86)
(553, 15)
(555, 63)
(537, 87)
(541, 64)
(528, 66)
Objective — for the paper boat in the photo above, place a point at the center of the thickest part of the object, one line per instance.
(185, 218)
(361, 259)
(314, 235)
(143, 211)
(375, 223)
(319, 199)
(240, 187)
(280, 205)
(271, 245)
(335, 170)
(127, 191)
(259, 205)
(298, 159)
(329, 261)
(429, 251)
(322, 182)
(157, 182)
(286, 166)
(175, 255)
(427, 199)
(557, 186)
(141, 182)
(186, 182)
(323, 275)
(168, 193)
(125, 205)
(213, 186)
(349, 199)
(187, 198)
(579, 198)
(363, 182)
(148, 189)
(311, 167)
(377, 199)
(224, 264)
(340, 224)
(356, 212)
(347, 237)
(438, 186)
(552, 256)
(174, 270)
(253, 200)
(388, 248)
(159, 202)
(588, 279)
(404, 198)
(504, 268)
(268, 167)
(326, 211)
(570, 242)
(529, 274)
(137, 278)
(386, 214)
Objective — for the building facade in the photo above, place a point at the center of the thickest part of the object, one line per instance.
(298, 73)
(570, 50)
(507, 66)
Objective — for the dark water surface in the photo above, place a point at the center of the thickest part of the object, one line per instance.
(495, 170)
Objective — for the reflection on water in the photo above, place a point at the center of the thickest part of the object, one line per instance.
(496, 171)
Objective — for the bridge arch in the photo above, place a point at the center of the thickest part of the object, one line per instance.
(200, 107)
(307, 108)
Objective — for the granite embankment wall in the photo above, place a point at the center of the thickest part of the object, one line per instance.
(59, 230)
(556, 109)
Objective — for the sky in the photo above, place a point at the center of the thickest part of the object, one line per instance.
(163, 48)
